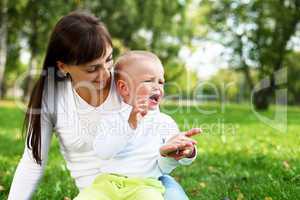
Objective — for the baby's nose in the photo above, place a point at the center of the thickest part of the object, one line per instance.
(155, 87)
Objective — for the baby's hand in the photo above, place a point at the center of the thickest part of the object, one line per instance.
(181, 145)
(139, 110)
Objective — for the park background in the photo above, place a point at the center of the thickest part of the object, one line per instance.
(232, 68)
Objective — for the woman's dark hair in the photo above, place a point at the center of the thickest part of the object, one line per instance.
(77, 38)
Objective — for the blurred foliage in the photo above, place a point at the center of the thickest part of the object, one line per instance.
(258, 34)
(158, 26)
(225, 84)
(293, 65)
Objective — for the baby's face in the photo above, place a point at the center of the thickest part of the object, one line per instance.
(147, 82)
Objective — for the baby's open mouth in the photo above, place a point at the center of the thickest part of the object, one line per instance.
(154, 97)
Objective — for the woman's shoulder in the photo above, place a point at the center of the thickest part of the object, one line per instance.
(55, 90)
(56, 95)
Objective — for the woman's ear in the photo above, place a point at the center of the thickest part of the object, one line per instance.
(62, 67)
(122, 88)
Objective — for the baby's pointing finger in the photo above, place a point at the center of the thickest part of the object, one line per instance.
(192, 132)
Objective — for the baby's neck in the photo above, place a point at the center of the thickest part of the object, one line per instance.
(126, 100)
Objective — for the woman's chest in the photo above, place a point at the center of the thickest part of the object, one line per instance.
(76, 131)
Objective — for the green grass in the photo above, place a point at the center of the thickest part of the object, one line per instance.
(239, 156)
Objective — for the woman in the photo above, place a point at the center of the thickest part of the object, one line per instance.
(74, 90)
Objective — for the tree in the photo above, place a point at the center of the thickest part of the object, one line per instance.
(40, 17)
(160, 26)
(258, 33)
(292, 63)
(3, 41)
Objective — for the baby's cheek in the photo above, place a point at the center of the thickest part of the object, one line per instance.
(144, 91)
(162, 91)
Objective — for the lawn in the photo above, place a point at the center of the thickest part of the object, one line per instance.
(240, 157)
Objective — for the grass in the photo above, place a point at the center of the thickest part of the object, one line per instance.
(240, 157)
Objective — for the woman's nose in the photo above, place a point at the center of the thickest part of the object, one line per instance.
(102, 71)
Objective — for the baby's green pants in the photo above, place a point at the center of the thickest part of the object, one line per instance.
(116, 187)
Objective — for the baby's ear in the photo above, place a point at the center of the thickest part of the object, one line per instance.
(122, 88)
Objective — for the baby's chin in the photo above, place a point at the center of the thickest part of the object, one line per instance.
(153, 107)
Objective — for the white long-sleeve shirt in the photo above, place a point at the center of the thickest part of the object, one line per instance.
(135, 153)
(76, 123)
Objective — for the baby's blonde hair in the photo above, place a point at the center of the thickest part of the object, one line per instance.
(132, 58)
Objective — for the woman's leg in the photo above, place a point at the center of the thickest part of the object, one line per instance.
(173, 190)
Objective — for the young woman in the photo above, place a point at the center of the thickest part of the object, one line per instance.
(74, 91)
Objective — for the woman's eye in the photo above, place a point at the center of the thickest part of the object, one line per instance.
(109, 59)
(91, 70)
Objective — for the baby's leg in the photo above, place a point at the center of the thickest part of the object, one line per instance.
(143, 189)
(173, 191)
(104, 187)
(92, 193)
(146, 194)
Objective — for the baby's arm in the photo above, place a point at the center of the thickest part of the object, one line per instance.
(180, 145)
(178, 148)
(139, 110)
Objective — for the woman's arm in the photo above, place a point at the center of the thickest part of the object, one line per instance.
(28, 172)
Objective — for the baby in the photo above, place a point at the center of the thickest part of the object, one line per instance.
(138, 144)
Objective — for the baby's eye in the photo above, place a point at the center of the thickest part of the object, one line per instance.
(147, 81)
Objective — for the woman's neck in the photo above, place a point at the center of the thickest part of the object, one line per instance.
(94, 97)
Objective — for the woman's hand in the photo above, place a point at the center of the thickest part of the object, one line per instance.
(180, 145)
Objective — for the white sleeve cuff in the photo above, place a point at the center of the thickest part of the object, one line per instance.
(166, 164)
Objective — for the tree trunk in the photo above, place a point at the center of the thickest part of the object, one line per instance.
(29, 83)
(33, 45)
(247, 75)
(284, 32)
(261, 99)
(3, 43)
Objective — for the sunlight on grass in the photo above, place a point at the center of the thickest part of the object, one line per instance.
(238, 156)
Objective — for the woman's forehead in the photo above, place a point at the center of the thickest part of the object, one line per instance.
(102, 59)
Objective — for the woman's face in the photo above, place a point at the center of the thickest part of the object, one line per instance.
(94, 75)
